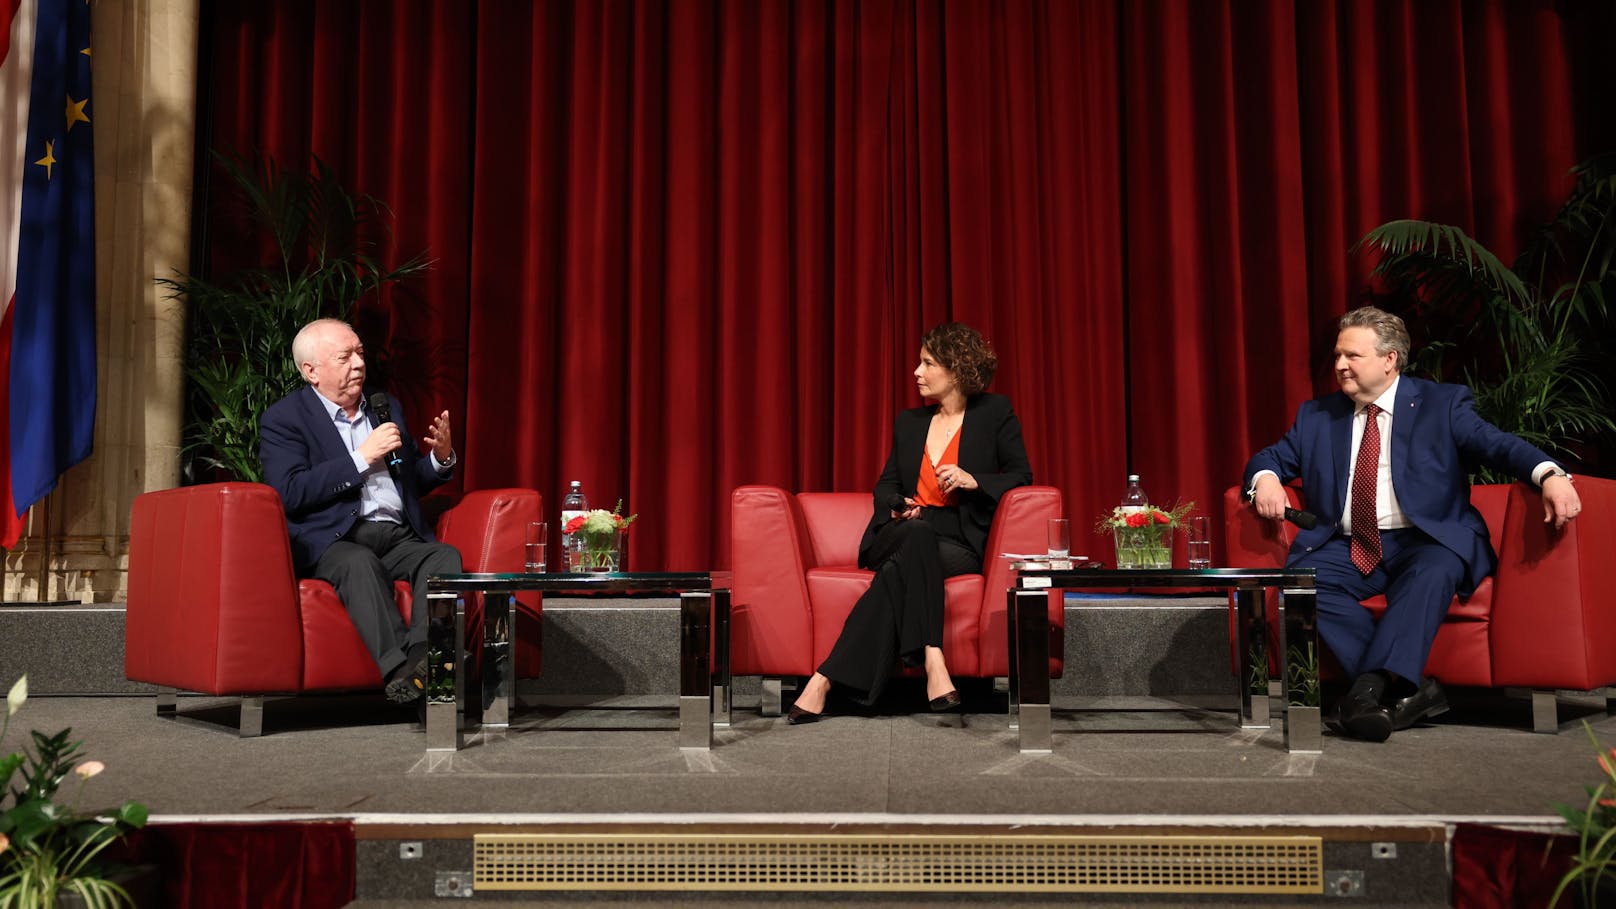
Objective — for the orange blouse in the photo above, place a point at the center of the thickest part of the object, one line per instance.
(927, 491)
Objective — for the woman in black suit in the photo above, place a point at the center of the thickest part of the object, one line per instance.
(950, 463)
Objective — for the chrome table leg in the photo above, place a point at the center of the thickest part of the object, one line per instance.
(1251, 653)
(445, 693)
(1030, 667)
(1299, 645)
(695, 670)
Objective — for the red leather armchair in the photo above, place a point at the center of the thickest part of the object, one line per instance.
(1544, 620)
(215, 607)
(794, 558)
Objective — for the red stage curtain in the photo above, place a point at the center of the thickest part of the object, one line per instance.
(683, 246)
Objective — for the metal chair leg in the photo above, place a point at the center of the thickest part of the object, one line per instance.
(168, 701)
(770, 702)
(1545, 713)
(252, 717)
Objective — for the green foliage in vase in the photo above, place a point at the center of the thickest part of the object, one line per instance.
(1534, 341)
(48, 849)
(238, 357)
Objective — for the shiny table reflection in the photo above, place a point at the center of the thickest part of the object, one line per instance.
(1028, 624)
(488, 670)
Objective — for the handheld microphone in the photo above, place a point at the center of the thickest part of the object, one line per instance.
(896, 502)
(1303, 519)
(384, 414)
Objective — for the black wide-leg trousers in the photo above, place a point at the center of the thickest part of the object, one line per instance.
(363, 565)
(902, 611)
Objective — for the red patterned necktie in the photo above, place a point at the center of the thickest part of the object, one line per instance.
(1365, 518)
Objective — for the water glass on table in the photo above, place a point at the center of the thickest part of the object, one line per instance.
(1200, 542)
(1060, 538)
(537, 538)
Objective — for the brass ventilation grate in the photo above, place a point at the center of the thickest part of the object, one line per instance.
(1113, 864)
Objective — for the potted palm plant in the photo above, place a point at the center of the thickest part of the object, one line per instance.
(1533, 340)
(238, 354)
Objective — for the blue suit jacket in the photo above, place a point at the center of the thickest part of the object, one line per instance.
(1436, 440)
(307, 462)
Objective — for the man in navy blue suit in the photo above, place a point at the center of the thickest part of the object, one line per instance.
(1384, 465)
(351, 484)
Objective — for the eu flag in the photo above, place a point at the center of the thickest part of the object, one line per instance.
(47, 336)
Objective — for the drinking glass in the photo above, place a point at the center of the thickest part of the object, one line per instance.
(537, 537)
(1060, 538)
(1200, 534)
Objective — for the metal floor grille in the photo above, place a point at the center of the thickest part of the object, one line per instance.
(1114, 864)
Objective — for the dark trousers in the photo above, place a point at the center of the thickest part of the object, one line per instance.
(1417, 574)
(363, 565)
(902, 611)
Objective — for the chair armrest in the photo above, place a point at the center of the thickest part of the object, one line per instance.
(1252, 541)
(489, 527)
(212, 603)
(1020, 524)
(769, 557)
(1552, 621)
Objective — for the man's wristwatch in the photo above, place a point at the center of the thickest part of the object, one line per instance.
(1554, 472)
(449, 462)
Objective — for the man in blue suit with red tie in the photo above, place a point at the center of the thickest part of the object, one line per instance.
(351, 480)
(1384, 466)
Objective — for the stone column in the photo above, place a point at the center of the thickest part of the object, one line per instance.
(143, 109)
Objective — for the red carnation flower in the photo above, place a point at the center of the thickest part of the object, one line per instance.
(1161, 517)
(1138, 519)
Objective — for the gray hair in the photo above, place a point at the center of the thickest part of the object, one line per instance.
(1391, 335)
(305, 347)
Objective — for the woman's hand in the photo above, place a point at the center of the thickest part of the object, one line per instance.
(910, 511)
(951, 478)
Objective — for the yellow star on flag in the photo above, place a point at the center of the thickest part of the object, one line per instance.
(49, 159)
(75, 112)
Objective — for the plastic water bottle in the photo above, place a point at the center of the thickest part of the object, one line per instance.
(573, 505)
(1133, 498)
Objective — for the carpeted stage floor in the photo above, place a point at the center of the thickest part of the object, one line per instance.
(1115, 762)
(1118, 758)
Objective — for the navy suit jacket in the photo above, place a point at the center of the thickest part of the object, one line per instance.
(1436, 440)
(307, 462)
(990, 449)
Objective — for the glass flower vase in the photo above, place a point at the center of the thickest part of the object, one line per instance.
(598, 554)
(1150, 546)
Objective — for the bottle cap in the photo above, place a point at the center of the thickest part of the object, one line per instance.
(1133, 478)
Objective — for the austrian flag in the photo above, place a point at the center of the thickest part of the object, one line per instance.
(47, 262)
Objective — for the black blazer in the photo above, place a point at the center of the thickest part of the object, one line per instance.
(308, 464)
(990, 449)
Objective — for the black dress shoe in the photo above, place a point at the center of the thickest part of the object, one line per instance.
(1429, 700)
(1367, 720)
(945, 701)
(407, 683)
(798, 716)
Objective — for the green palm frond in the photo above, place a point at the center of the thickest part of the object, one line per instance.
(238, 356)
(1441, 257)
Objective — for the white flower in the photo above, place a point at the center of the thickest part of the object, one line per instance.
(89, 769)
(19, 694)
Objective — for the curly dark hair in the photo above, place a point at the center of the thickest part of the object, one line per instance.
(965, 353)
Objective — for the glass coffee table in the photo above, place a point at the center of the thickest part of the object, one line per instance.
(1028, 625)
(477, 690)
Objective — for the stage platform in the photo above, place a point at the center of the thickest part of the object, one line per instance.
(870, 786)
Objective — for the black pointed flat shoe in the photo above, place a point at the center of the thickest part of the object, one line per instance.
(947, 701)
(798, 716)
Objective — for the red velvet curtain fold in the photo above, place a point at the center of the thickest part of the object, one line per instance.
(682, 246)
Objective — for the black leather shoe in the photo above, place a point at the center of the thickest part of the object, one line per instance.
(1363, 717)
(407, 684)
(945, 701)
(798, 716)
(1429, 700)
